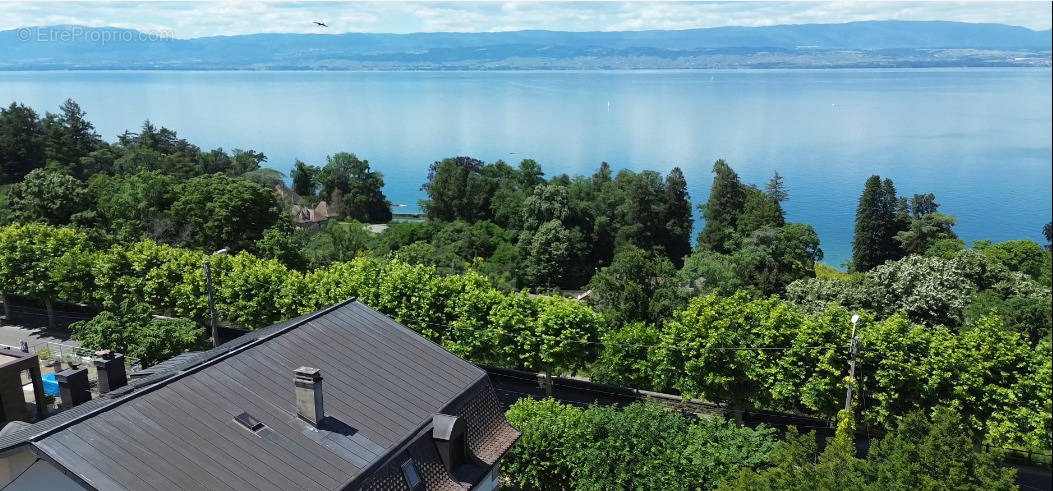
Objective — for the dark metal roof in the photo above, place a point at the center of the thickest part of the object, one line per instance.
(178, 429)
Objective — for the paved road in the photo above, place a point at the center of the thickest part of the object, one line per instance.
(10, 335)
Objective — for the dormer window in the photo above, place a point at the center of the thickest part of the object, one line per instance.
(448, 433)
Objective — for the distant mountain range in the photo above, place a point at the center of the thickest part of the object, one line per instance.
(854, 44)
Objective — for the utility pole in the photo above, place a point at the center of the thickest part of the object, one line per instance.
(211, 302)
(852, 367)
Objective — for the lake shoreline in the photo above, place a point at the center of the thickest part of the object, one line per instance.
(971, 136)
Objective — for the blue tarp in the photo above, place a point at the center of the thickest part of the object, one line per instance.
(51, 387)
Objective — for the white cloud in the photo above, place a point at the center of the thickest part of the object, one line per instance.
(193, 19)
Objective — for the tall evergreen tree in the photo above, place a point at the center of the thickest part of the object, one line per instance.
(878, 219)
(676, 210)
(639, 216)
(21, 142)
(924, 231)
(870, 216)
(602, 207)
(776, 189)
(726, 200)
(304, 178)
(760, 210)
(900, 207)
(69, 137)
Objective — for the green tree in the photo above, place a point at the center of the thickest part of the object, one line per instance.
(546, 254)
(361, 189)
(701, 359)
(923, 204)
(47, 197)
(267, 178)
(1025, 256)
(919, 454)
(134, 332)
(338, 241)
(245, 163)
(1025, 420)
(68, 138)
(776, 188)
(285, 243)
(768, 259)
(546, 203)
(469, 241)
(760, 210)
(250, 292)
(626, 358)
(796, 251)
(611, 454)
(726, 201)
(215, 161)
(924, 231)
(161, 149)
(561, 336)
(219, 212)
(457, 189)
(640, 217)
(642, 446)
(945, 248)
(601, 197)
(35, 261)
(541, 458)
(676, 211)
(637, 286)
(708, 272)
(876, 225)
(132, 207)
(400, 234)
(547, 245)
(1030, 316)
(21, 142)
(930, 290)
(304, 178)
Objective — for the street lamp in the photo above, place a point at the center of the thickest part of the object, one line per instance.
(211, 302)
(852, 367)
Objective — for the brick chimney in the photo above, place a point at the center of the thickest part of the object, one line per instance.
(308, 384)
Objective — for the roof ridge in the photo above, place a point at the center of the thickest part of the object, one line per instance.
(34, 433)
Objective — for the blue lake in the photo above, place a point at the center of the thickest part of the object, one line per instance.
(980, 139)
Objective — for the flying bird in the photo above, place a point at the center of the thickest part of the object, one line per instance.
(320, 24)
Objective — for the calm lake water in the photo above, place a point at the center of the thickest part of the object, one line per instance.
(977, 138)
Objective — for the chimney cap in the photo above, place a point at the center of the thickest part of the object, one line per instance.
(309, 373)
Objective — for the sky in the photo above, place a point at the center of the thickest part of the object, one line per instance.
(203, 18)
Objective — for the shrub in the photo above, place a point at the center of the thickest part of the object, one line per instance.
(641, 446)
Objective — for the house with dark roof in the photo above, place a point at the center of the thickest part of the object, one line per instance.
(344, 398)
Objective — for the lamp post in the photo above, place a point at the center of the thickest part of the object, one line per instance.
(211, 302)
(852, 366)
